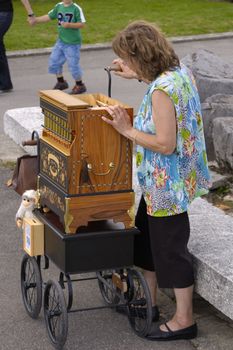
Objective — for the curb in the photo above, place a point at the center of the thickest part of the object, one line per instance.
(105, 46)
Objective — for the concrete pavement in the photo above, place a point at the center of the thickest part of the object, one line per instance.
(103, 329)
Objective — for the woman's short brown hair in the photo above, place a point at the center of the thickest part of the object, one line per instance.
(146, 48)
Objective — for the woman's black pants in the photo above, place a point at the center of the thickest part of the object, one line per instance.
(5, 23)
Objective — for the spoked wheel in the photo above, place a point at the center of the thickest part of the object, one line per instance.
(55, 313)
(139, 303)
(31, 286)
(107, 288)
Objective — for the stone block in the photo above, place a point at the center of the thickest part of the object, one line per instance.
(211, 243)
(219, 180)
(212, 74)
(223, 142)
(19, 123)
(216, 106)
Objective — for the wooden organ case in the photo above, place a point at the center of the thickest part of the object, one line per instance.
(85, 164)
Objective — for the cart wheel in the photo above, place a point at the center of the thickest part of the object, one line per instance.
(55, 314)
(107, 288)
(139, 303)
(31, 286)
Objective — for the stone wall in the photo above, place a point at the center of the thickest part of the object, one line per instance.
(223, 145)
(216, 106)
(212, 74)
(214, 79)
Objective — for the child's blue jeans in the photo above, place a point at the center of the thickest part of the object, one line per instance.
(65, 52)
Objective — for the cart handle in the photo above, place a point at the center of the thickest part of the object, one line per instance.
(35, 141)
(108, 70)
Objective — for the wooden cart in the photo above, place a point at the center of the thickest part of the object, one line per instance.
(85, 217)
(101, 248)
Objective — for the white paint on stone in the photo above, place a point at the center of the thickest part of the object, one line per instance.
(19, 123)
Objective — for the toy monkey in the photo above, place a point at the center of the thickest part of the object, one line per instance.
(28, 204)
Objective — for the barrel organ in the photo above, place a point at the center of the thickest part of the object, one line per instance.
(85, 164)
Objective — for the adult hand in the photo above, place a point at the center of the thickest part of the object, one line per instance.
(32, 20)
(124, 71)
(120, 119)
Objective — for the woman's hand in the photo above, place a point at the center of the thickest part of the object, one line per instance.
(120, 119)
(124, 71)
(31, 20)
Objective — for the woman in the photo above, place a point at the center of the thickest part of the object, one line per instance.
(171, 166)
(6, 17)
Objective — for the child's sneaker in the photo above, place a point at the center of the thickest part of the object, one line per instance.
(61, 85)
(79, 89)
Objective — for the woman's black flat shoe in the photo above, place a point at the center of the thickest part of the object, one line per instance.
(185, 333)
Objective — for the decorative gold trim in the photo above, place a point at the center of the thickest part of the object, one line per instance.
(54, 143)
(90, 169)
(68, 218)
(131, 211)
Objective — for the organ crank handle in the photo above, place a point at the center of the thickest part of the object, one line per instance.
(108, 69)
(90, 169)
(115, 68)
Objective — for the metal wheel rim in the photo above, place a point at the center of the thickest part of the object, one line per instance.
(139, 298)
(55, 314)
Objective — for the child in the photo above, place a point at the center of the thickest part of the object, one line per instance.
(67, 48)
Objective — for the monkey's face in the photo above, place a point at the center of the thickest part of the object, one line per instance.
(28, 202)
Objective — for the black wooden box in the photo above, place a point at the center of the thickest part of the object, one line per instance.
(101, 245)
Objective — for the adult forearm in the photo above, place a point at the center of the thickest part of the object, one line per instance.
(150, 141)
(27, 6)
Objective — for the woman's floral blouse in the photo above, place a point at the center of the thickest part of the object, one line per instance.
(170, 182)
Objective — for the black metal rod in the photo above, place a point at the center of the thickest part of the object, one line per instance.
(96, 308)
(35, 136)
(82, 279)
(109, 81)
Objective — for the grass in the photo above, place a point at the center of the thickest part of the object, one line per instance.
(105, 18)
